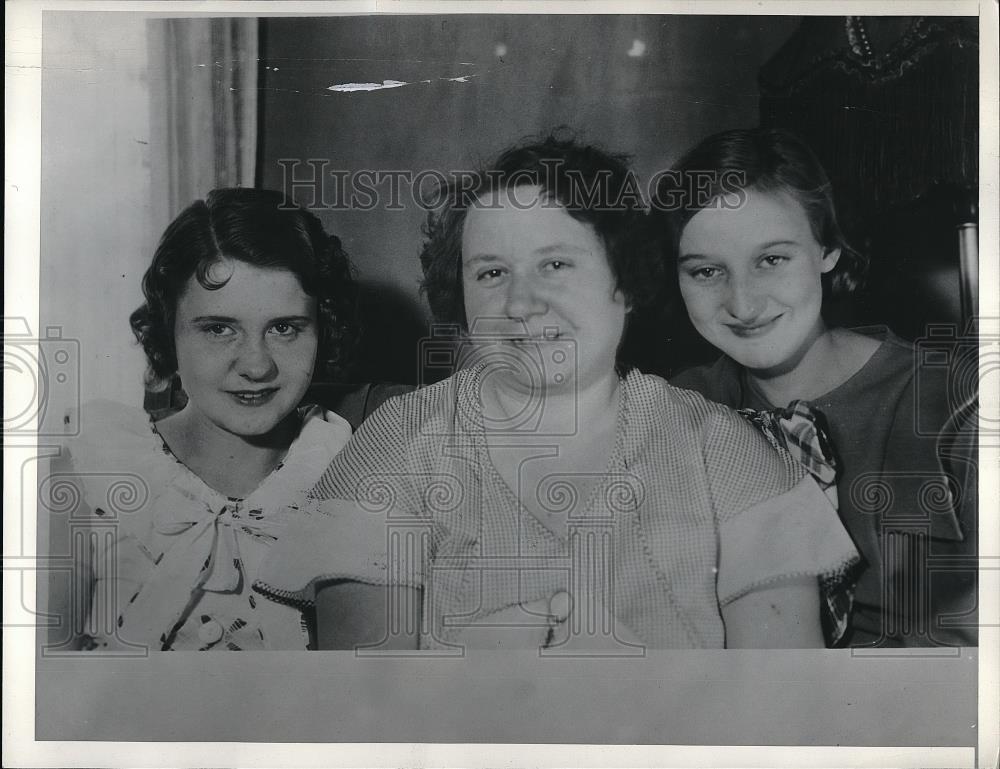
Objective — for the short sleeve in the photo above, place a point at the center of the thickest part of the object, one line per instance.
(363, 521)
(103, 478)
(774, 522)
(794, 534)
(742, 466)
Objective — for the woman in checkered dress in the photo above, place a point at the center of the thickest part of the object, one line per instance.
(548, 493)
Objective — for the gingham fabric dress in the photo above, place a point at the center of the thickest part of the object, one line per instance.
(694, 510)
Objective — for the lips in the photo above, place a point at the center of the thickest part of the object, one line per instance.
(750, 330)
(253, 398)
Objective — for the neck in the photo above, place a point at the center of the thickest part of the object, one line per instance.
(561, 411)
(814, 373)
(232, 464)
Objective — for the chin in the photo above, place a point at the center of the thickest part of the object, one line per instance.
(254, 426)
(763, 361)
(255, 429)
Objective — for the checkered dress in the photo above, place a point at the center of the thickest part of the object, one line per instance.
(694, 510)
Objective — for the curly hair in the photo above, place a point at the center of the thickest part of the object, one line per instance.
(595, 187)
(769, 160)
(259, 228)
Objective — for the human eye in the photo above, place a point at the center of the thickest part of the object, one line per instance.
(286, 328)
(556, 265)
(217, 330)
(773, 260)
(704, 273)
(490, 274)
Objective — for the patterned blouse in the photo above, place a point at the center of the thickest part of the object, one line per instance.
(694, 510)
(170, 560)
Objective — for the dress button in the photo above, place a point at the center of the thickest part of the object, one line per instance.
(210, 632)
(560, 605)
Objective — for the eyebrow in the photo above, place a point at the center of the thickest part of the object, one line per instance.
(481, 258)
(555, 248)
(762, 247)
(213, 319)
(562, 248)
(225, 319)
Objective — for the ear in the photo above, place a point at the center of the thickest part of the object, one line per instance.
(621, 296)
(830, 259)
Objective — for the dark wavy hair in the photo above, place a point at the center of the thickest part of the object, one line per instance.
(734, 162)
(594, 186)
(257, 227)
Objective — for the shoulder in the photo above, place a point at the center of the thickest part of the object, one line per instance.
(914, 388)
(412, 412)
(323, 434)
(926, 372)
(892, 358)
(115, 432)
(719, 381)
(714, 442)
(658, 393)
(116, 463)
(356, 403)
(410, 425)
(104, 416)
(680, 412)
(935, 377)
(400, 441)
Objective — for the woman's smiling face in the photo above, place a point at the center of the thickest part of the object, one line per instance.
(751, 279)
(539, 281)
(245, 351)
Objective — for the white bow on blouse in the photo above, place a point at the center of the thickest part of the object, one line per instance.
(198, 551)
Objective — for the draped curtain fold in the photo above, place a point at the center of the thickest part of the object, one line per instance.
(205, 111)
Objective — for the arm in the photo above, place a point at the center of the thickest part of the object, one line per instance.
(352, 614)
(785, 616)
(778, 532)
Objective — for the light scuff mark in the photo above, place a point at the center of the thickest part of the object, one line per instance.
(351, 87)
(638, 49)
(385, 84)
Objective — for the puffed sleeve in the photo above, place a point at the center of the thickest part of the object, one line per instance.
(774, 522)
(364, 520)
(91, 499)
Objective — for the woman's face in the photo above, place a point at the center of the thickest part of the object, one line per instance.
(539, 292)
(245, 352)
(751, 280)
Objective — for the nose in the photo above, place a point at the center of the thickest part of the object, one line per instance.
(744, 302)
(255, 362)
(523, 298)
